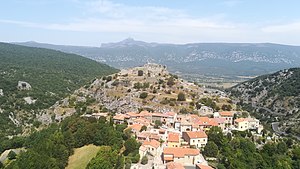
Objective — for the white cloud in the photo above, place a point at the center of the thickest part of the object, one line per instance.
(106, 16)
(162, 24)
(283, 28)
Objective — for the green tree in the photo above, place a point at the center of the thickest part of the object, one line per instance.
(144, 160)
(181, 96)
(130, 145)
(143, 95)
(105, 159)
(170, 81)
(11, 155)
(144, 128)
(226, 107)
(157, 124)
(211, 149)
(282, 148)
(215, 135)
(140, 73)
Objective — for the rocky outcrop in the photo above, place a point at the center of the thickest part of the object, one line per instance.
(23, 85)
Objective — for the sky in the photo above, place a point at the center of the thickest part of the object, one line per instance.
(92, 22)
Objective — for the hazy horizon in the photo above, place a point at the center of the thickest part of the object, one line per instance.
(33, 41)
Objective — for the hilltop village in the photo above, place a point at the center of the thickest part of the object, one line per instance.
(168, 116)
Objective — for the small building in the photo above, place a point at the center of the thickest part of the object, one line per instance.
(205, 110)
(173, 140)
(205, 123)
(151, 147)
(185, 156)
(146, 135)
(135, 128)
(195, 138)
(120, 118)
(241, 124)
(221, 122)
(253, 123)
(228, 117)
(183, 126)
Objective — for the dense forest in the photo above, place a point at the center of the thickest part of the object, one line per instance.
(238, 151)
(51, 74)
(50, 148)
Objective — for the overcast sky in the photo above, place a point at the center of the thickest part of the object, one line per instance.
(92, 22)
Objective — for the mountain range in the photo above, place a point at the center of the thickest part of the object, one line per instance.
(212, 59)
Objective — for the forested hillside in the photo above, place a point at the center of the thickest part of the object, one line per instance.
(51, 75)
(274, 97)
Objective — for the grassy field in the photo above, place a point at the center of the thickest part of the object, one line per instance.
(82, 156)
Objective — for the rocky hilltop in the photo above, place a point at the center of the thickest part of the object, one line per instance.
(150, 87)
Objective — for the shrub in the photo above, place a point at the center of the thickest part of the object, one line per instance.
(143, 95)
(140, 73)
(144, 160)
(181, 97)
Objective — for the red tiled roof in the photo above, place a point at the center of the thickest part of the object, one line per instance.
(132, 114)
(240, 120)
(136, 127)
(120, 117)
(180, 152)
(204, 166)
(168, 158)
(152, 143)
(205, 121)
(146, 134)
(196, 134)
(226, 113)
(144, 113)
(170, 113)
(158, 115)
(173, 137)
(220, 120)
(173, 165)
(142, 121)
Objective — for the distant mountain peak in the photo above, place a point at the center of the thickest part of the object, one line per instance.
(128, 40)
(127, 43)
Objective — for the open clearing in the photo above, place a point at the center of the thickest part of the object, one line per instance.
(82, 157)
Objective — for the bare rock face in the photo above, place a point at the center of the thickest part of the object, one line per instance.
(1, 92)
(23, 85)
